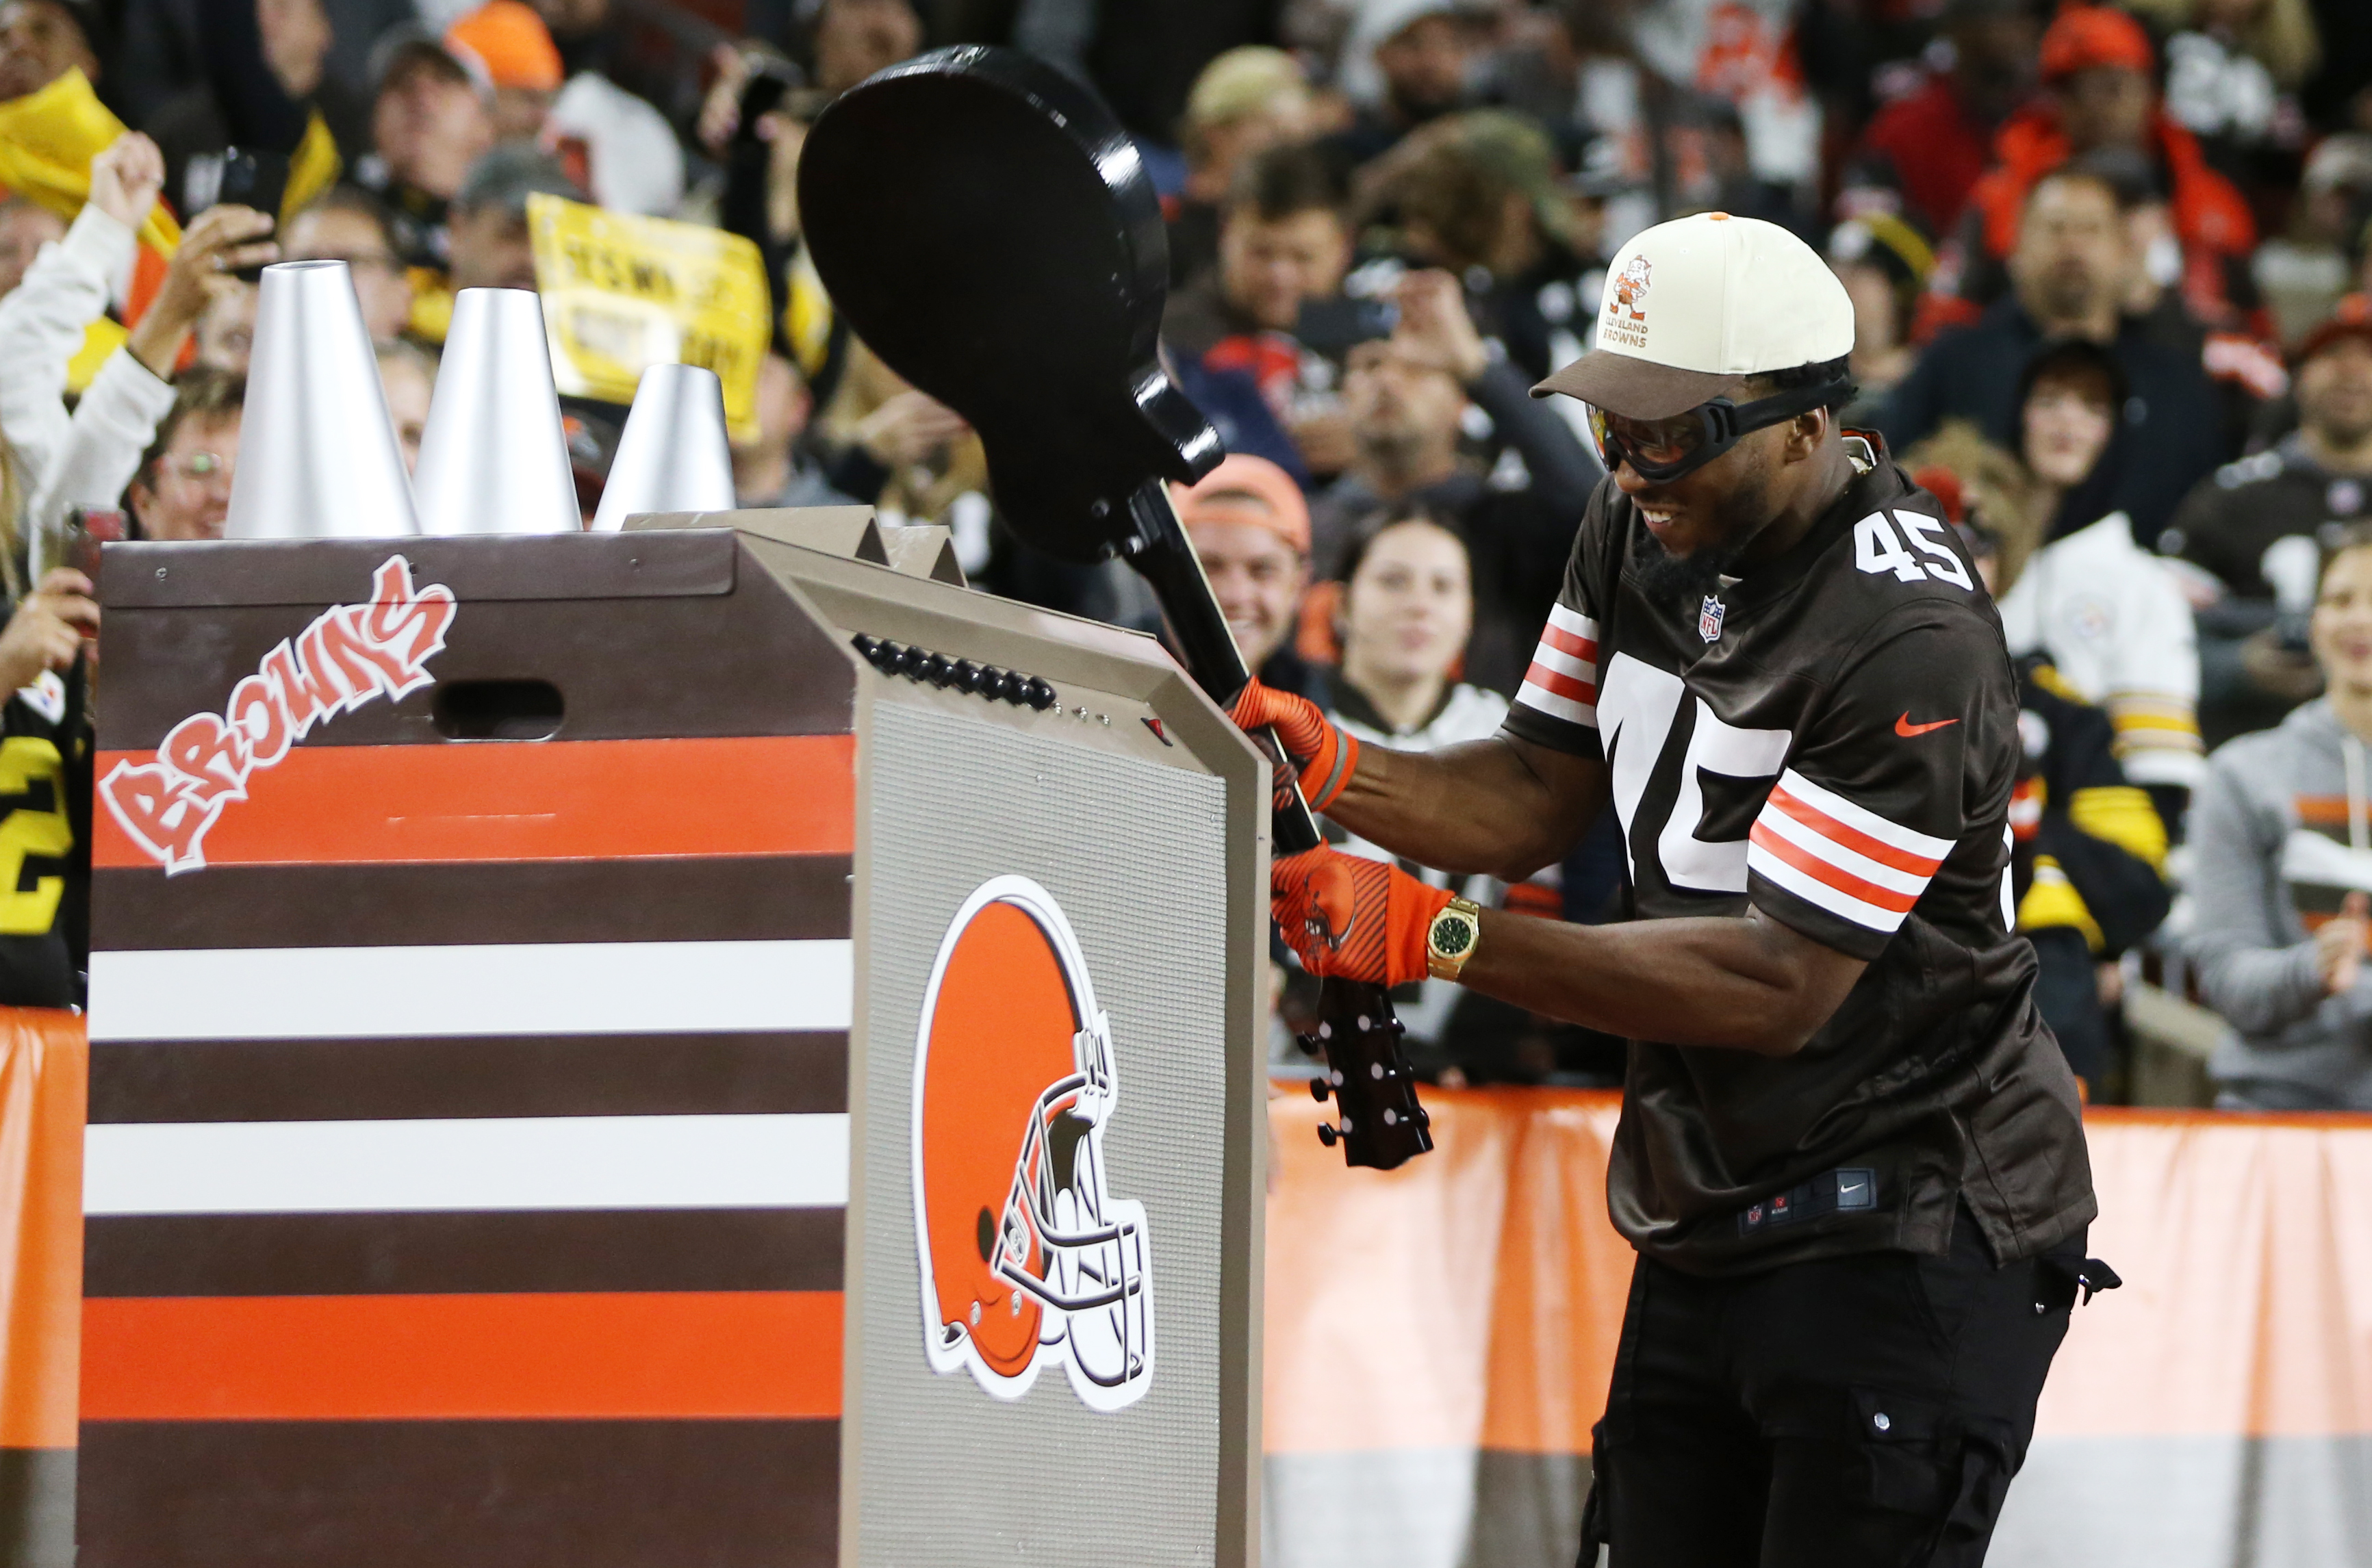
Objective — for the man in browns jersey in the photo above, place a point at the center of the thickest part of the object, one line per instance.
(1851, 1156)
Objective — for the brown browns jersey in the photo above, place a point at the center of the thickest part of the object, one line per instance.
(1831, 738)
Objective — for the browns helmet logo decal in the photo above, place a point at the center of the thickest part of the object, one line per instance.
(1027, 1257)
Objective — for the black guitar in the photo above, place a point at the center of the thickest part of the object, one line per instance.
(987, 229)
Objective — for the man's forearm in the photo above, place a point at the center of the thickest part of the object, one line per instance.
(1747, 984)
(1484, 806)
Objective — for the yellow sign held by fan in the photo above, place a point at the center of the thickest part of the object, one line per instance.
(47, 140)
(623, 293)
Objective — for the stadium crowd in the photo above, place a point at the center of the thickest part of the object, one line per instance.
(2109, 268)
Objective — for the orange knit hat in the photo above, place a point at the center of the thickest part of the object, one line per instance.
(2083, 38)
(512, 42)
(1245, 489)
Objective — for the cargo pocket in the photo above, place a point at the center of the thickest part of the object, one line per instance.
(1919, 1460)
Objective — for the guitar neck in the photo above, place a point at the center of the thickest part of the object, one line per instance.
(1165, 558)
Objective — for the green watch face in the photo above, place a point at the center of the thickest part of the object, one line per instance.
(1452, 934)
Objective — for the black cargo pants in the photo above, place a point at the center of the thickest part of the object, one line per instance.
(1851, 1412)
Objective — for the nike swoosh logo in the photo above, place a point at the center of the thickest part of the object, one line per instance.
(1905, 728)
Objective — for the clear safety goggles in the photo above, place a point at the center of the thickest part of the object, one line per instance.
(1659, 450)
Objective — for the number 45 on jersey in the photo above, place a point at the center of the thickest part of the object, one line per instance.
(1877, 547)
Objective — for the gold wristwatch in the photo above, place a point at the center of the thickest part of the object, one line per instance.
(1450, 940)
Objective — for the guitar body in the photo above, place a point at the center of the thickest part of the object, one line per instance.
(987, 228)
(955, 205)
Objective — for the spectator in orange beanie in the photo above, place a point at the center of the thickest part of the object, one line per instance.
(511, 43)
(2099, 68)
(1251, 526)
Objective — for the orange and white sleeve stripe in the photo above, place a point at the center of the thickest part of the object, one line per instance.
(1563, 680)
(1845, 859)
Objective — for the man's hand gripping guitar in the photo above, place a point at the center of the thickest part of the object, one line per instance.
(1350, 918)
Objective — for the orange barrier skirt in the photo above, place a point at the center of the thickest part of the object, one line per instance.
(1440, 1337)
(44, 1080)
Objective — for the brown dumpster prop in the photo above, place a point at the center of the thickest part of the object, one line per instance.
(669, 1047)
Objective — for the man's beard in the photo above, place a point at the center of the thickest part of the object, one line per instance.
(2066, 297)
(1392, 450)
(2351, 427)
(1665, 577)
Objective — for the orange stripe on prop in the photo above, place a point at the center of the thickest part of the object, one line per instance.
(1854, 838)
(1813, 865)
(527, 800)
(741, 1353)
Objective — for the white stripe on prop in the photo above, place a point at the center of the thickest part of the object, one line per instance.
(1864, 820)
(1813, 842)
(1810, 888)
(1564, 663)
(1537, 696)
(559, 1162)
(1572, 621)
(523, 989)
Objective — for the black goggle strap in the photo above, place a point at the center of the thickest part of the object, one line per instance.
(1740, 418)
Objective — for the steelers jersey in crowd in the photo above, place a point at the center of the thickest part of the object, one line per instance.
(44, 845)
(2088, 859)
(1832, 738)
(2089, 849)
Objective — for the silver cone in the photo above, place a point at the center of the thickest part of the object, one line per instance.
(492, 459)
(674, 455)
(318, 456)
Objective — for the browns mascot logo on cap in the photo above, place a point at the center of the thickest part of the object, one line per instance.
(1630, 289)
(1027, 1258)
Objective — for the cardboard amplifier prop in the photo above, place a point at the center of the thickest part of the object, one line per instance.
(689, 1045)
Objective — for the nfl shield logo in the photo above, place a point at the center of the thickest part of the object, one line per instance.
(1709, 619)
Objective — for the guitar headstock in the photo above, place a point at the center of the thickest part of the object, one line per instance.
(1377, 1120)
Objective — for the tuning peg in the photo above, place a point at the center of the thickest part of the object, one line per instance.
(1317, 1090)
(1327, 1135)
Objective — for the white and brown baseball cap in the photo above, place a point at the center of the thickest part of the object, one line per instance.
(1695, 306)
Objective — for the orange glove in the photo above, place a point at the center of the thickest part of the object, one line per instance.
(1352, 917)
(1325, 755)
